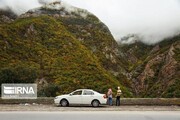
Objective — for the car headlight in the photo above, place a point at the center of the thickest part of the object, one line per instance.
(56, 98)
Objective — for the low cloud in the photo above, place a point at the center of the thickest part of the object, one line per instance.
(47, 1)
(151, 20)
(22, 6)
(19, 6)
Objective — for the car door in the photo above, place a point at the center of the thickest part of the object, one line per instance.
(75, 97)
(87, 96)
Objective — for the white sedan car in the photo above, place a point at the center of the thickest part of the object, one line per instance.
(81, 97)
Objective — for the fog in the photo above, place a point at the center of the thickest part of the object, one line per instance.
(19, 6)
(151, 20)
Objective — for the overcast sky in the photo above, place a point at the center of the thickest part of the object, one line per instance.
(153, 20)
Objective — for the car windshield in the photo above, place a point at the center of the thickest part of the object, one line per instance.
(77, 92)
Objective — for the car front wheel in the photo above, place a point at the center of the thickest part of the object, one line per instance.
(95, 103)
(64, 103)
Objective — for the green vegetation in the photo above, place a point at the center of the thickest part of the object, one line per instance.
(41, 47)
(63, 51)
(173, 90)
(154, 69)
(93, 34)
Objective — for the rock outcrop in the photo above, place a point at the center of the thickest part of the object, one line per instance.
(154, 70)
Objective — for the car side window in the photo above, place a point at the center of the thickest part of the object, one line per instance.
(77, 93)
(86, 92)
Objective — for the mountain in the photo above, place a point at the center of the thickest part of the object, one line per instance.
(87, 28)
(60, 47)
(7, 16)
(153, 69)
(63, 48)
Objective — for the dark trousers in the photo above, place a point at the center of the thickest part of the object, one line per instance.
(118, 101)
(110, 101)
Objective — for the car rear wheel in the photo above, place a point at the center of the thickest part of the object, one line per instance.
(95, 103)
(64, 103)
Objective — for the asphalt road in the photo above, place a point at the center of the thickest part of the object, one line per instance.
(98, 115)
(36, 107)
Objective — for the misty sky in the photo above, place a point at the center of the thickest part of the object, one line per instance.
(153, 20)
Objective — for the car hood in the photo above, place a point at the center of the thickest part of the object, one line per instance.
(63, 95)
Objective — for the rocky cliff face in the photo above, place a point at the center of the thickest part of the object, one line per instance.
(7, 16)
(154, 70)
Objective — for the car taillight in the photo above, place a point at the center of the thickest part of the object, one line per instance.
(104, 96)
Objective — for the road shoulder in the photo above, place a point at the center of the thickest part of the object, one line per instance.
(40, 107)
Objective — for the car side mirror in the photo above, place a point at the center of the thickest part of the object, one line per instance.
(70, 94)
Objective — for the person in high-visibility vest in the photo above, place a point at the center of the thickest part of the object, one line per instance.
(119, 92)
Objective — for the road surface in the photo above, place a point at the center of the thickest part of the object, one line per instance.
(96, 115)
(36, 107)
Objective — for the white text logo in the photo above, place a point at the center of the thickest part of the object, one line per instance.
(19, 91)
